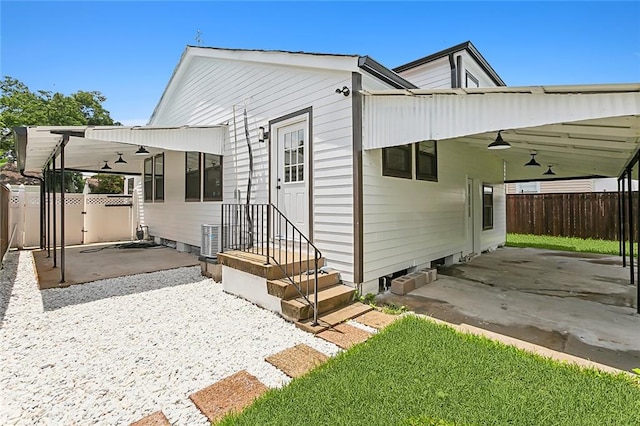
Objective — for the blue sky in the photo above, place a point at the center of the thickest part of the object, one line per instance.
(128, 50)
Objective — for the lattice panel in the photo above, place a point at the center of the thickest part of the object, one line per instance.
(15, 199)
(111, 201)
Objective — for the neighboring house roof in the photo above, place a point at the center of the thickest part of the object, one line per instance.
(469, 47)
(9, 174)
(331, 61)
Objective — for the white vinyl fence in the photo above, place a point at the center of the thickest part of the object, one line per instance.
(89, 218)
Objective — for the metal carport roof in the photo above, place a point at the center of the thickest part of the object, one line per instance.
(582, 130)
(89, 147)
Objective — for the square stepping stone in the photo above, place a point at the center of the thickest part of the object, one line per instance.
(297, 361)
(344, 335)
(376, 319)
(154, 419)
(231, 394)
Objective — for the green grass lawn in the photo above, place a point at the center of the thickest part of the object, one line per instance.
(420, 373)
(566, 243)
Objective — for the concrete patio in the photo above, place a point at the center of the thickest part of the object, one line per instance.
(577, 303)
(87, 263)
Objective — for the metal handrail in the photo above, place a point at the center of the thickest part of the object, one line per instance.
(252, 228)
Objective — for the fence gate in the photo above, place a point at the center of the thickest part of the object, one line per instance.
(89, 218)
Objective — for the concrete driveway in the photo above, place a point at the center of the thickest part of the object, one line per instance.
(577, 303)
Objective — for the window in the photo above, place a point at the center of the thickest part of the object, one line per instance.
(148, 179)
(427, 161)
(487, 207)
(158, 177)
(212, 177)
(192, 176)
(294, 156)
(396, 161)
(130, 184)
(471, 81)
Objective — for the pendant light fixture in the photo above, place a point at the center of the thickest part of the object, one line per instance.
(533, 161)
(106, 166)
(142, 151)
(499, 143)
(120, 160)
(549, 172)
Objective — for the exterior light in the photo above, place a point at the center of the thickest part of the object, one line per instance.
(142, 151)
(533, 161)
(499, 143)
(263, 135)
(120, 160)
(106, 166)
(549, 172)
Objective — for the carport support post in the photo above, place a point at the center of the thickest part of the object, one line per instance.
(55, 221)
(619, 220)
(65, 138)
(638, 267)
(48, 184)
(630, 189)
(623, 223)
(42, 214)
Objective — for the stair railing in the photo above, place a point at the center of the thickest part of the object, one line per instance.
(264, 230)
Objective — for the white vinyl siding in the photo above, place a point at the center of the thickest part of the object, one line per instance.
(432, 75)
(175, 219)
(410, 223)
(204, 94)
(558, 186)
(470, 65)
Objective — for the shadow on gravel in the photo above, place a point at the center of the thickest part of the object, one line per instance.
(57, 298)
(7, 281)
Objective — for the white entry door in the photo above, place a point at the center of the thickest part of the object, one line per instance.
(291, 174)
(470, 217)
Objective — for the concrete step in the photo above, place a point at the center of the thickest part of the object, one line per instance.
(328, 299)
(283, 288)
(334, 317)
(255, 263)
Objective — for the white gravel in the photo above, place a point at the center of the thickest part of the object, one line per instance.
(114, 351)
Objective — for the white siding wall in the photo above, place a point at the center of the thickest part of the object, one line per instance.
(205, 94)
(174, 218)
(433, 75)
(469, 64)
(410, 223)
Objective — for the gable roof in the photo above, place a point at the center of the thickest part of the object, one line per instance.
(469, 47)
(331, 61)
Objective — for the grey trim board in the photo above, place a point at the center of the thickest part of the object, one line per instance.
(358, 225)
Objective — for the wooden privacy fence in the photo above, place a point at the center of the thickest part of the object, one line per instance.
(582, 215)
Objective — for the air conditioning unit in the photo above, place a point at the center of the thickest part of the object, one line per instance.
(211, 240)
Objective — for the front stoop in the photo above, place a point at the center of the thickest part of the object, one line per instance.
(154, 419)
(344, 335)
(332, 318)
(231, 394)
(297, 361)
(283, 288)
(255, 264)
(328, 299)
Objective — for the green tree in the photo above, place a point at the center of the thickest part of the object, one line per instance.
(19, 106)
(107, 184)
